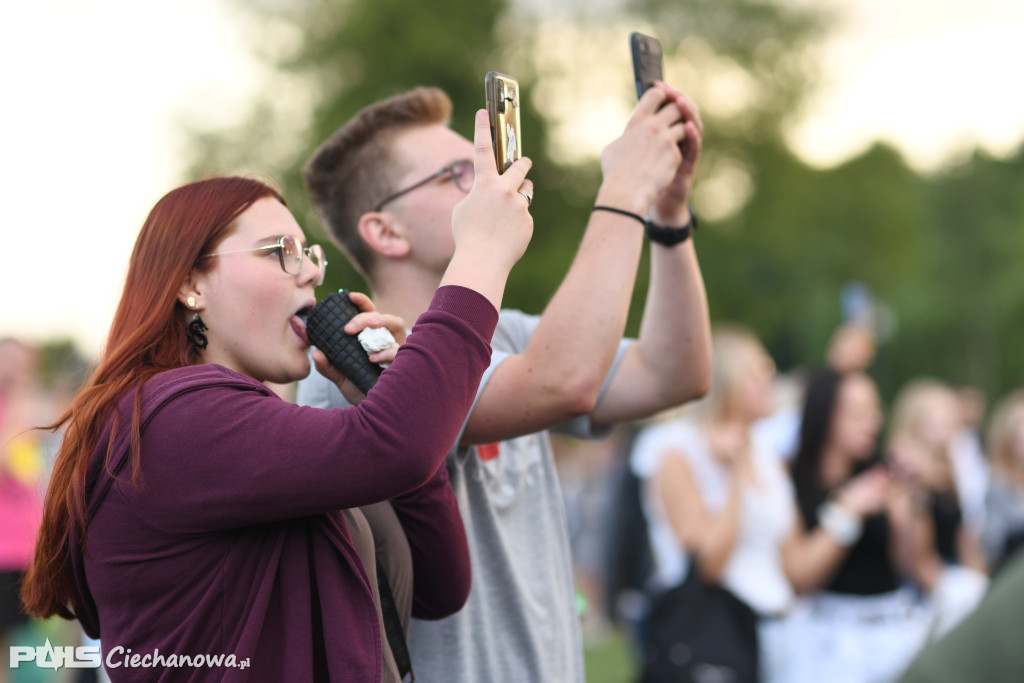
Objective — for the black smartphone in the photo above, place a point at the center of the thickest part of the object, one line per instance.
(647, 61)
(501, 94)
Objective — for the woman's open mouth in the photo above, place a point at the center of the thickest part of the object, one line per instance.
(298, 322)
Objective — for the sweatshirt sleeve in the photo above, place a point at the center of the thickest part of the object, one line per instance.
(224, 455)
(440, 552)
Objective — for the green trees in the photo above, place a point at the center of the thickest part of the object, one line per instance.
(778, 238)
(326, 60)
(963, 313)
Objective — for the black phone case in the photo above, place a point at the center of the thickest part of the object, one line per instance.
(325, 327)
(647, 61)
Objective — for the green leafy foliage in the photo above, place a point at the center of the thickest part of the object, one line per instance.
(961, 310)
(778, 239)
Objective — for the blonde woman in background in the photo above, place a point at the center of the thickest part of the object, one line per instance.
(718, 501)
(1004, 520)
(925, 420)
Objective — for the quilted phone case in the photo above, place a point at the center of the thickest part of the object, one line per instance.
(325, 328)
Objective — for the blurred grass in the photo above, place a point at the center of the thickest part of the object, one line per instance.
(607, 659)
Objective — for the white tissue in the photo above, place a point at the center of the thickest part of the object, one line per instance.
(374, 339)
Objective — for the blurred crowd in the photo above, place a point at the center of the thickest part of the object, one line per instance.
(25, 457)
(856, 532)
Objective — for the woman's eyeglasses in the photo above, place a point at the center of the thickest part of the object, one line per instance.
(290, 253)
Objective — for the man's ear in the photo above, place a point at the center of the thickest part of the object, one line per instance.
(384, 234)
(191, 293)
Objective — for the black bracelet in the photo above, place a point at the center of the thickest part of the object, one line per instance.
(621, 212)
(668, 237)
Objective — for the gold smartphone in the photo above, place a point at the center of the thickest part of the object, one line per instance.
(502, 97)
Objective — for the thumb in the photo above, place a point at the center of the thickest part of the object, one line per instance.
(483, 147)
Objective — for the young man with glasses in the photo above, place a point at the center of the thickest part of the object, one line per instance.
(386, 184)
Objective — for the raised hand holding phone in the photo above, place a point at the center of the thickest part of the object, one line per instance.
(672, 205)
(640, 163)
(492, 225)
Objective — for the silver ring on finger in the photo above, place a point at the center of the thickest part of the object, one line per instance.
(529, 197)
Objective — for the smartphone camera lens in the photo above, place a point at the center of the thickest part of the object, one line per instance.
(499, 98)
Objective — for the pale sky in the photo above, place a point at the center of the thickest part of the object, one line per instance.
(935, 77)
(93, 92)
(89, 142)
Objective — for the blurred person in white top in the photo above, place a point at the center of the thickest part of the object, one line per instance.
(712, 494)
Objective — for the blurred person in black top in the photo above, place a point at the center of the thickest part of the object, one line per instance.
(858, 622)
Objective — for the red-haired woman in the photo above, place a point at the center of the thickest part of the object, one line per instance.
(193, 512)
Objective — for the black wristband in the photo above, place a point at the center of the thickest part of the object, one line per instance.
(668, 237)
(621, 212)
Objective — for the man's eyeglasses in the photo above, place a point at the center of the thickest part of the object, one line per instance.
(461, 172)
(290, 253)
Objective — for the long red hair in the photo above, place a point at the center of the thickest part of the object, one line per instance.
(146, 337)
